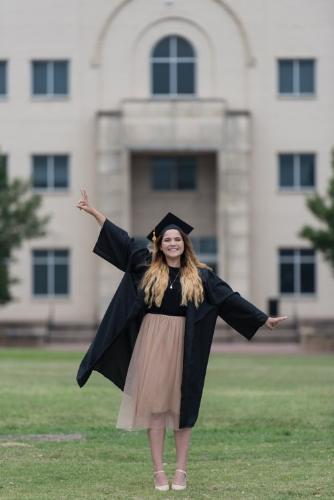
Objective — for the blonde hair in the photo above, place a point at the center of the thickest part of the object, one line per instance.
(155, 280)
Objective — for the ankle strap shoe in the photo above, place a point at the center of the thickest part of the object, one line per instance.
(180, 487)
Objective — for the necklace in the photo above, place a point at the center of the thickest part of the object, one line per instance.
(172, 283)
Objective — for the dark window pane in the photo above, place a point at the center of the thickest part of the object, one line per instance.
(3, 77)
(286, 278)
(196, 243)
(208, 245)
(39, 78)
(286, 177)
(285, 77)
(60, 77)
(306, 76)
(307, 252)
(162, 49)
(287, 252)
(40, 279)
(40, 176)
(307, 170)
(61, 253)
(3, 171)
(186, 175)
(40, 253)
(61, 279)
(184, 49)
(162, 177)
(60, 171)
(185, 78)
(307, 277)
(161, 78)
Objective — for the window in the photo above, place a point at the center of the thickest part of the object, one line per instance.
(174, 173)
(50, 78)
(296, 77)
(3, 171)
(50, 172)
(3, 78)
(296, 171)
(50, 272)
(173, 64)
(297, 271)
(206, 250)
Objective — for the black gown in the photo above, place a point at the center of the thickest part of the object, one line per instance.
(111, 350)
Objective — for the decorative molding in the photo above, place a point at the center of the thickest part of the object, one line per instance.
(96, 59)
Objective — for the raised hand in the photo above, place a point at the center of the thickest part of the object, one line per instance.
(271, 323)
(84, 204)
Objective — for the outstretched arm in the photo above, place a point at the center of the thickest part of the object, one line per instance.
(238, 312)
(113, 243)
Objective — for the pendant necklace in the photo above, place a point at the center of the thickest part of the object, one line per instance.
(172, 283)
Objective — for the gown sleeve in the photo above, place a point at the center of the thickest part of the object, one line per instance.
(236, 311)
(115, 245)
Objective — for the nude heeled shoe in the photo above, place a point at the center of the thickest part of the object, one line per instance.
(180, 486)
(163, 487)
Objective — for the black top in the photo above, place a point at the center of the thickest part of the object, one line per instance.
(171, 301)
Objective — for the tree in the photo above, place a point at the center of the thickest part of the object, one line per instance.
(323, 208)
(18, 222)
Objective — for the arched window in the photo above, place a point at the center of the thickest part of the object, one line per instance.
(173, 63)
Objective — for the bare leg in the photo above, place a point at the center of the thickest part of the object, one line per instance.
(182, 440)
(156, 436)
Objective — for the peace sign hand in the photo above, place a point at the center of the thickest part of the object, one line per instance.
(271, 323)
(84, 204)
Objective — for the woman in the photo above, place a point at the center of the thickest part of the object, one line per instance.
(155, 337)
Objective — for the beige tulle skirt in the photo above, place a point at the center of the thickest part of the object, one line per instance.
(152, 391)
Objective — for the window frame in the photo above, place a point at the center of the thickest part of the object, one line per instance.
(50, 95)
(297, 259)
(296, 94)
(50, 258)
(50, 175)
(4, 156)
(296, 187)
(175, 175)
(4, 96)
(173, 62)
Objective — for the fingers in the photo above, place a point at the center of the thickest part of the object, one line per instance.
(280, 318)
(273, 322)
(84, 194)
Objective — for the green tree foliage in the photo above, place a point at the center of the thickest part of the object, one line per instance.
(18, 222)
(323, 208)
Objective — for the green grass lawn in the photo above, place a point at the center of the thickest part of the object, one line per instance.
(265, 431)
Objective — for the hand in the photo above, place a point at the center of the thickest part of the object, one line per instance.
(84, 204)
(271, 323)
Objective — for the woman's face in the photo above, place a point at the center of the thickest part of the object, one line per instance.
(172, 243)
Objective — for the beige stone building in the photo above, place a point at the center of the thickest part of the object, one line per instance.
(219, 111)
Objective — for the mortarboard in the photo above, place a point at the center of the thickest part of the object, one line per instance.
(170, 221)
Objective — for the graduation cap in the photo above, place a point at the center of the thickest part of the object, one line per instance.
(170, 221)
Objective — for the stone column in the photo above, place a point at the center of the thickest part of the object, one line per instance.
(113, 194)
(233, 202)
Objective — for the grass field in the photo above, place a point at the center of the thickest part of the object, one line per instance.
(265, 431)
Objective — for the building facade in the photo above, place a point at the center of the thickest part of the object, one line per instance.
(219, 111)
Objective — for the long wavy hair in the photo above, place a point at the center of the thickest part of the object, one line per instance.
(155, 280)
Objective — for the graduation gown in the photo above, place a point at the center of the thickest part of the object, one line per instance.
(111, 349)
